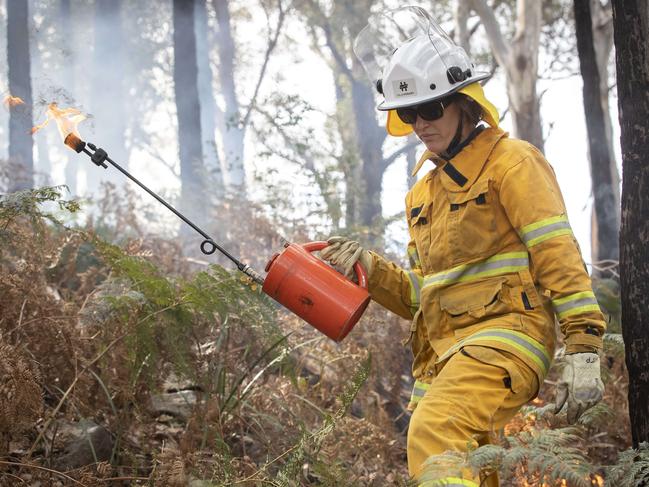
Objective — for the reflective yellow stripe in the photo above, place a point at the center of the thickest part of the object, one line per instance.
(449, 482)
(493, 266)
(416, 282)
(574, 304)
(418, 391)
(520, 341)
(413, 257)
(543, 230)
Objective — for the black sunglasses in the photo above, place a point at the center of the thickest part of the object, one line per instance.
(433, 110)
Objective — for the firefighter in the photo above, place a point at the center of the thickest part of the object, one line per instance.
(493, 260)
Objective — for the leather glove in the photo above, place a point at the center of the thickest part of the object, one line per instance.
(343, 253)
(580, 384)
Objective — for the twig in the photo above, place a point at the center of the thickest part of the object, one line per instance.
(15, 477)
(271, 46)
(20, 319)
(110, 479)
(38, 467)
(68, 391)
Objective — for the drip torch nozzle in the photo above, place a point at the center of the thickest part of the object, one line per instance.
(74, 143)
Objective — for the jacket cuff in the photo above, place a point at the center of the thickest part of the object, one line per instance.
(583, 342)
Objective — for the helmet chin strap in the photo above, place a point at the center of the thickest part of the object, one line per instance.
(457, 138)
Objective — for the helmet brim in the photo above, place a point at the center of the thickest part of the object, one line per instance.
(397, 128)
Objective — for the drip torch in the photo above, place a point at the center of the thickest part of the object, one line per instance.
(295, 278)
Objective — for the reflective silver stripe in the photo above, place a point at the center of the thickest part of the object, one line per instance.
(498, 264)
(525, 344)
(575, 303)
(543, 230)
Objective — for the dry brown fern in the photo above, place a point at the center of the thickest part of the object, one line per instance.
(169, 469)
(21, 400)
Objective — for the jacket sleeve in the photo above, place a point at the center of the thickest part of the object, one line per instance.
(532, 199)
(395, 288)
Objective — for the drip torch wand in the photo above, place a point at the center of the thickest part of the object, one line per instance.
(99, 157)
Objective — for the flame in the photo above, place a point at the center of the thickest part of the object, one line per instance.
(12, 101)
(598, 481)
(66, 120)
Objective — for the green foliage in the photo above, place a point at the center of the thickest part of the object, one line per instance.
(607, 292)
(545, 454)
(632, 468)
(310, 443)
(173, 318)
(30, 204)
(551, 455)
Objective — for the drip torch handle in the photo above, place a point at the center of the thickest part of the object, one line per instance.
(99, 157)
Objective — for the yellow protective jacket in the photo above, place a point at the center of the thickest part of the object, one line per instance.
(493, 260)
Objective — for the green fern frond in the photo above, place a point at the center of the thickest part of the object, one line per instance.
(613, 344)
(311, 442)
(597, 415)
(632, 468)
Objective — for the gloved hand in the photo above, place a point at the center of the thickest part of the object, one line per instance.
(344, 253)
(580, 384)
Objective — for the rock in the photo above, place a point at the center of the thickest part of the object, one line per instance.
(178, 403)
(89, 443)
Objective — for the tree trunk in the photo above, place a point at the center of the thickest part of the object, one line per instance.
(369, 137)
(631, 27)
(606, 210)
(20, 85)
(411, 161)
(42, 163)
(519, 58)
(233, 134)
(188, 108)
(65, 13)
(108, 94)
(211, 159)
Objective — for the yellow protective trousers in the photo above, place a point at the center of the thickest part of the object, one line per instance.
(475, 393)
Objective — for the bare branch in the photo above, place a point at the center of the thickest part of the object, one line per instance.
(395, 155)
(326, 28)
(271, 46)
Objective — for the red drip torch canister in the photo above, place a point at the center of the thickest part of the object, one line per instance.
(314, 291)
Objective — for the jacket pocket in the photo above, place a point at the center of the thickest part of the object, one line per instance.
(472, 222)
(469, 303)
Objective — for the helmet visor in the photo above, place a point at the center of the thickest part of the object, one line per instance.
(387, 31)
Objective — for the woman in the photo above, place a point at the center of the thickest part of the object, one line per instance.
(493, 261)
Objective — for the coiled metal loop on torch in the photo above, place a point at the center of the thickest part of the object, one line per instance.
(99, 157)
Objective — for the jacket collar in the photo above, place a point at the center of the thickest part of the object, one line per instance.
(461, 171)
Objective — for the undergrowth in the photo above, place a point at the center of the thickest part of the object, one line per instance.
(195, 377)
(111, 332)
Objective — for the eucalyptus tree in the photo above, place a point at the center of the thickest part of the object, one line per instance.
(108, 96)
(517, 53)
(631, 32)
(605, 180)
(20, 86)
(188, 107)
(333, 27)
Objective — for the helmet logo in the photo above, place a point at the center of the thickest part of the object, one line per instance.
(404, 87)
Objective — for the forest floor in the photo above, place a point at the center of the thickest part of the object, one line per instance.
(130, 363)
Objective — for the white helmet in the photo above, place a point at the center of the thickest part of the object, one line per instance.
(411, 60)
